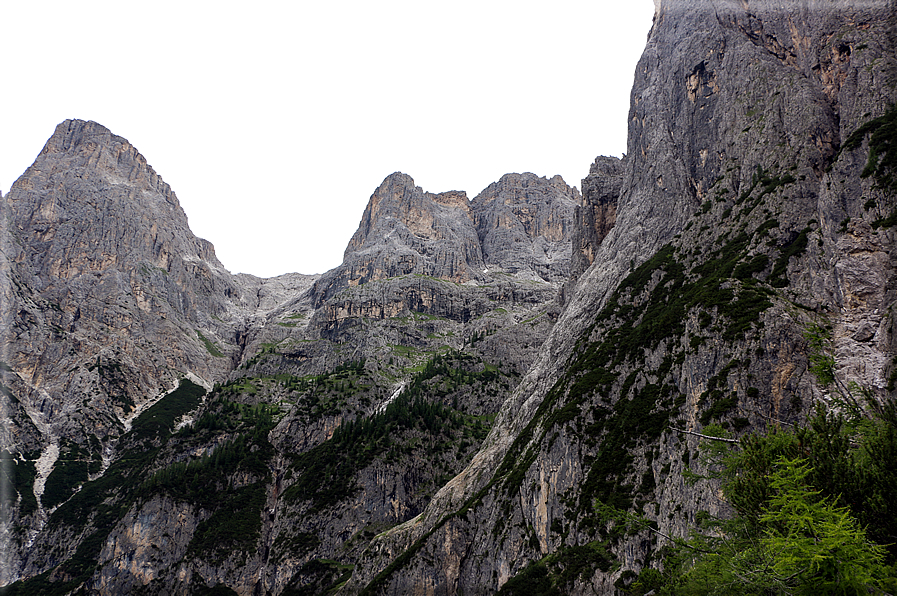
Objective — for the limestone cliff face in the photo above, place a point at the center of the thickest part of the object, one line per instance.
(108, 300)
(109, 290)
(521, 225)
(346, 431)
(738, 114)
(596, 215)
(525, 225)
(100, 238)
(404, 231)
(469, 269)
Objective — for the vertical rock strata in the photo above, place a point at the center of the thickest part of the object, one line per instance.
(403, 231)
(597, 214)
(742, 216)
(525, 226)
(520, 225)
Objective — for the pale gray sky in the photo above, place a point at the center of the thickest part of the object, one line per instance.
(275, 121)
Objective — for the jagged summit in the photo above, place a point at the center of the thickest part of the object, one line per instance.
(521, 225)
(525, 225)
(405, 230)
(88, 183)
(89, 144)
(105, 269)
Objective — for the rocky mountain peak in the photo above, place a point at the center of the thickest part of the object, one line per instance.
(87, 144)
(398, 204)
(521, 225)
(429, 416)
(106, 270)
(524, 223)
(405, 230)
(82, 184)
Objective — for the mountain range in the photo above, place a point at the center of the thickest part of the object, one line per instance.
(453, 409)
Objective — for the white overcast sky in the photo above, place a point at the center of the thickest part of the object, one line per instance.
(275, 121)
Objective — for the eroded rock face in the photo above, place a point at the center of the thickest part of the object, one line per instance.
(520, 225)
(525, 225)
(739, 218)
(405, 231)
(596, 215)
(110, 289)
(111, 299)
(108, 300)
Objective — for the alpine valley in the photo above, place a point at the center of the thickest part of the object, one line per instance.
(506, 394)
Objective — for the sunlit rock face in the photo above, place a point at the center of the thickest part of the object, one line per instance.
(521, 225)
(525, 225)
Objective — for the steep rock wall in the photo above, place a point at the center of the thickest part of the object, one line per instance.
(525, 225)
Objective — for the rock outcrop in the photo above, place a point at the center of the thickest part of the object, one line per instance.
(525, 226)
(596, 216)
(406, 231)
(110, 293)
(520, 225)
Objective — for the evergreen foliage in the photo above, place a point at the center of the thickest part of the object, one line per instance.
(100, 504)
(71, 469)
(882, 161)
(19, 476)
(159, 419)
(326, 473)
(233, 528)
(814, 514)
(822, 363)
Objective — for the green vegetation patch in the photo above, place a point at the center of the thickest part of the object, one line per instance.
(882, 161)
(766, 182)
(20, 475)
(159, 419)
(331, 393)
(101, 503)
(211, 347)
(326, 473)
(318, 576)
(814, 513)
(69, 472)
(234, 527)
(201, 481)
(296, 545)
(795, 248)
(554, 574)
